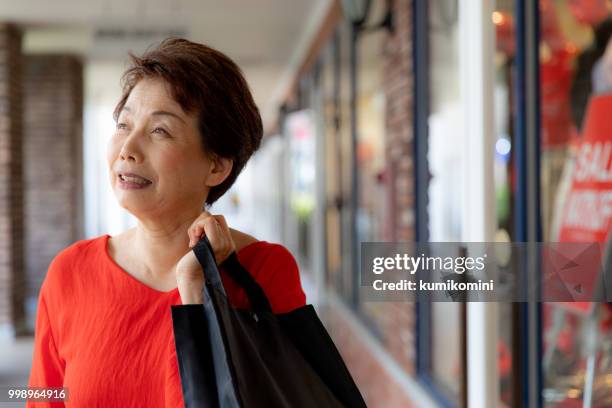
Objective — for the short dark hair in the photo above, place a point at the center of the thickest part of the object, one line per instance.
(206, 82)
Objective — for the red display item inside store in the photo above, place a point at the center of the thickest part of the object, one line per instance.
(505, 40)
(591, 12)
(587, 210)
(556, 75)
(556, 71)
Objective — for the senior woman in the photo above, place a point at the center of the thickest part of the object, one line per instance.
(185, 127)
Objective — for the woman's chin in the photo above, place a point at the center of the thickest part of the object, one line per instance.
(135, 206)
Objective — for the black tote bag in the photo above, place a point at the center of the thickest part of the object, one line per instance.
(238, 358)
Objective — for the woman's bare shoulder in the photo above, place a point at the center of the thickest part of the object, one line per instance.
(241, 239)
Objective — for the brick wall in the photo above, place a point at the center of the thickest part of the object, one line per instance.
(399, 317)
(398, 74)
(12, 283)
(53, 111)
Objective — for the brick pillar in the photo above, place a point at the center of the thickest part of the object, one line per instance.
(12, 281)
(399, 322)
(53, 111)
(398, 77)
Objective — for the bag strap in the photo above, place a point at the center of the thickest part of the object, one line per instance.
(205, 255)
(255, 293)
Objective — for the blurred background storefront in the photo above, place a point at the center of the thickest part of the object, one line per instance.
(399, 120)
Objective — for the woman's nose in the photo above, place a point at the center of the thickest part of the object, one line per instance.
(130, 149)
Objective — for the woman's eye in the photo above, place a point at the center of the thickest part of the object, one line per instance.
(121, 126)
(160, 130)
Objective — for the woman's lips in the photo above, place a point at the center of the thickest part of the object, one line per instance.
(132, 181)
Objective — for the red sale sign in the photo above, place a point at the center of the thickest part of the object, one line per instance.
(587, 208)
(587, 211)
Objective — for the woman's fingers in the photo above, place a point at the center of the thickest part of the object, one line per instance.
(213, 226)
(195, 232)
(216, 229)
(222, 223)
(197, 229)
(212, 231)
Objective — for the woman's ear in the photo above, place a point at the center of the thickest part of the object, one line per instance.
(220, 168)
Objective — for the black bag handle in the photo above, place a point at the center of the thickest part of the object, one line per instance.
(205, 255)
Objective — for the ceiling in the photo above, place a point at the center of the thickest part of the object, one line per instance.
(267, 38)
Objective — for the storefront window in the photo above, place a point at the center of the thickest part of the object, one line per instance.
(300, 133)
(576, 98)
(446, 185)
(330, 109)
(333, 112)
(446, 160)
(299, 129)
(373, 223)
(392, 323)
(342, 162)
(503, 168)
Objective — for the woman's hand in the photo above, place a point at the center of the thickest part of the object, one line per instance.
(189, 275)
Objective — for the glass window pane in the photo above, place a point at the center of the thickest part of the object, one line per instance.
(503, 168)
(575, 61)
(446, 185)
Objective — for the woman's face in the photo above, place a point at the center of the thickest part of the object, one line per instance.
(156, 140)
